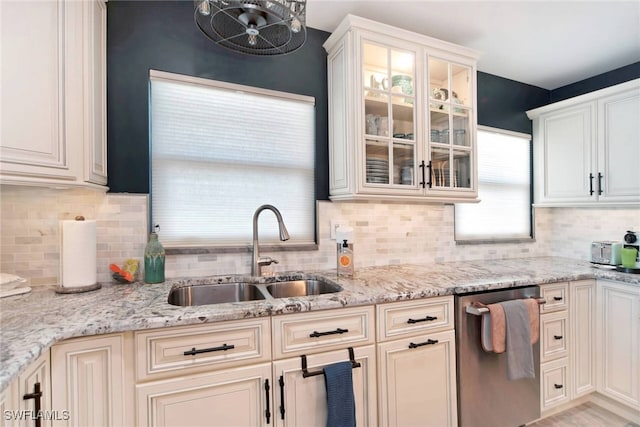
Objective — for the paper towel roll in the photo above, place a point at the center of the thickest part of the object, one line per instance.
(78, 253)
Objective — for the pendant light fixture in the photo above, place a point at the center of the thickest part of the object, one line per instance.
(254, 27)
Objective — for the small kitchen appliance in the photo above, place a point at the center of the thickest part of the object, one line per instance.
(632, 241)
(606, 252)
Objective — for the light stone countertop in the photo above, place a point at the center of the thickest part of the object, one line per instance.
(31, 323)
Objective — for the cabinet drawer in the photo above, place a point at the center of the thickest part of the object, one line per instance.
(554, 335)
(312, 332)
(556, 295)
(554, 383)
(414, 317)
(169, 351)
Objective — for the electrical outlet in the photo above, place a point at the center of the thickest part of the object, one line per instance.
(335, 224)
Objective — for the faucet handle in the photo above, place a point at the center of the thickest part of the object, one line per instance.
(266, 260)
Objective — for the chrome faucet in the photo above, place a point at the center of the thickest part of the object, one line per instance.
(257, 261)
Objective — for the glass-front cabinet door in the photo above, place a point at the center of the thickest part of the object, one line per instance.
(402, 116)
(389, 120)
(450, 123)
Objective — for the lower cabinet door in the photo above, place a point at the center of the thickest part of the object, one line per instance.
(582, 324)
(418, 381)
(91, 382)
(302, 402)
(36, 377)
(619, 342)
(233, 397)
(554, 383)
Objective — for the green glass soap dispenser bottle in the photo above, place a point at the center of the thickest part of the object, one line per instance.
(154, 259)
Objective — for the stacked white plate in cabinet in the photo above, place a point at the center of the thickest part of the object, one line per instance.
(377, 170)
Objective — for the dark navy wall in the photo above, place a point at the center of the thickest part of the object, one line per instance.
(617, 76)
(161, 35)
(502, 102)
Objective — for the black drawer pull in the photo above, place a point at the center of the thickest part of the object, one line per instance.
(591, 184)
(557, 298)
(557, 337)
(427, 342)
(600, 183)
(223, 347)
(338, 331)
(37, 406)
(426, 319)
(282, 410)
(558, 386)
(267, 411)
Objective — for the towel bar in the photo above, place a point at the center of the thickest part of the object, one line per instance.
(306, 373)
(478, 309)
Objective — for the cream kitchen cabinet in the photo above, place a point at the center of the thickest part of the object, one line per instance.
(231, 397)
(303, 344)
(417, 363)
(216, 373)
(6, 405)
(402, 115)
(53, 88)
(555, 344)
(618, 337)
(586, 148)
(301, 400)
(92, 378)
(582, 330)
(28, 398)
(567, 350)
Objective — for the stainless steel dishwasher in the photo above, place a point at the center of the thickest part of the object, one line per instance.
(485, 396)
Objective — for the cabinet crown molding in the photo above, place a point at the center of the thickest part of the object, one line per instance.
(352, 22)
(587, 97)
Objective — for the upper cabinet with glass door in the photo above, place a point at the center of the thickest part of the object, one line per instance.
(402, 115)
(389, 117)
(450, 122)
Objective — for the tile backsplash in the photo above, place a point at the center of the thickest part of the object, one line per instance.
(29, 228)
(384, 233)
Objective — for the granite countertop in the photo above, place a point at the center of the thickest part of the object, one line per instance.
(33, 322)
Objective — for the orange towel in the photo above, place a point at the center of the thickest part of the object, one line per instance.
(499, 326)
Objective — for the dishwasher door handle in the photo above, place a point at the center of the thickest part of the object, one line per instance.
(478, 309)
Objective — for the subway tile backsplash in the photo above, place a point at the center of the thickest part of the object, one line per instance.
(384, 233)
(30, 219)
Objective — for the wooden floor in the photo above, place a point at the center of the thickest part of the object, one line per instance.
(585, 415)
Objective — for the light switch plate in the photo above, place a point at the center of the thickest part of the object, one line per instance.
(335, 224)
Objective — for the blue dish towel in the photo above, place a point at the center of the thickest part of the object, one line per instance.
(341, 406)
(518, 340)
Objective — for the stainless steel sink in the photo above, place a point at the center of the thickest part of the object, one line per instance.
(301, 288)
(201, 294)
(217, 293)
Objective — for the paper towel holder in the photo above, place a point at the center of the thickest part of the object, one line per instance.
(77, 289)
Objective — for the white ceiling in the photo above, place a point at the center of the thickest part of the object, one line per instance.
(547, 44)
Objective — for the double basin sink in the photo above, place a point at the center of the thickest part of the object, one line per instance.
(246, 290)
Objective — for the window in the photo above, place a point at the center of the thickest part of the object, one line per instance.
(504, 190)
(219, 151)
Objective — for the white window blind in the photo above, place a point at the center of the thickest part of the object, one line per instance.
(219, 151)
(504, 188)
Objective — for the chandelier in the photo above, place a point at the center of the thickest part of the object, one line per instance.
(254, 27)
